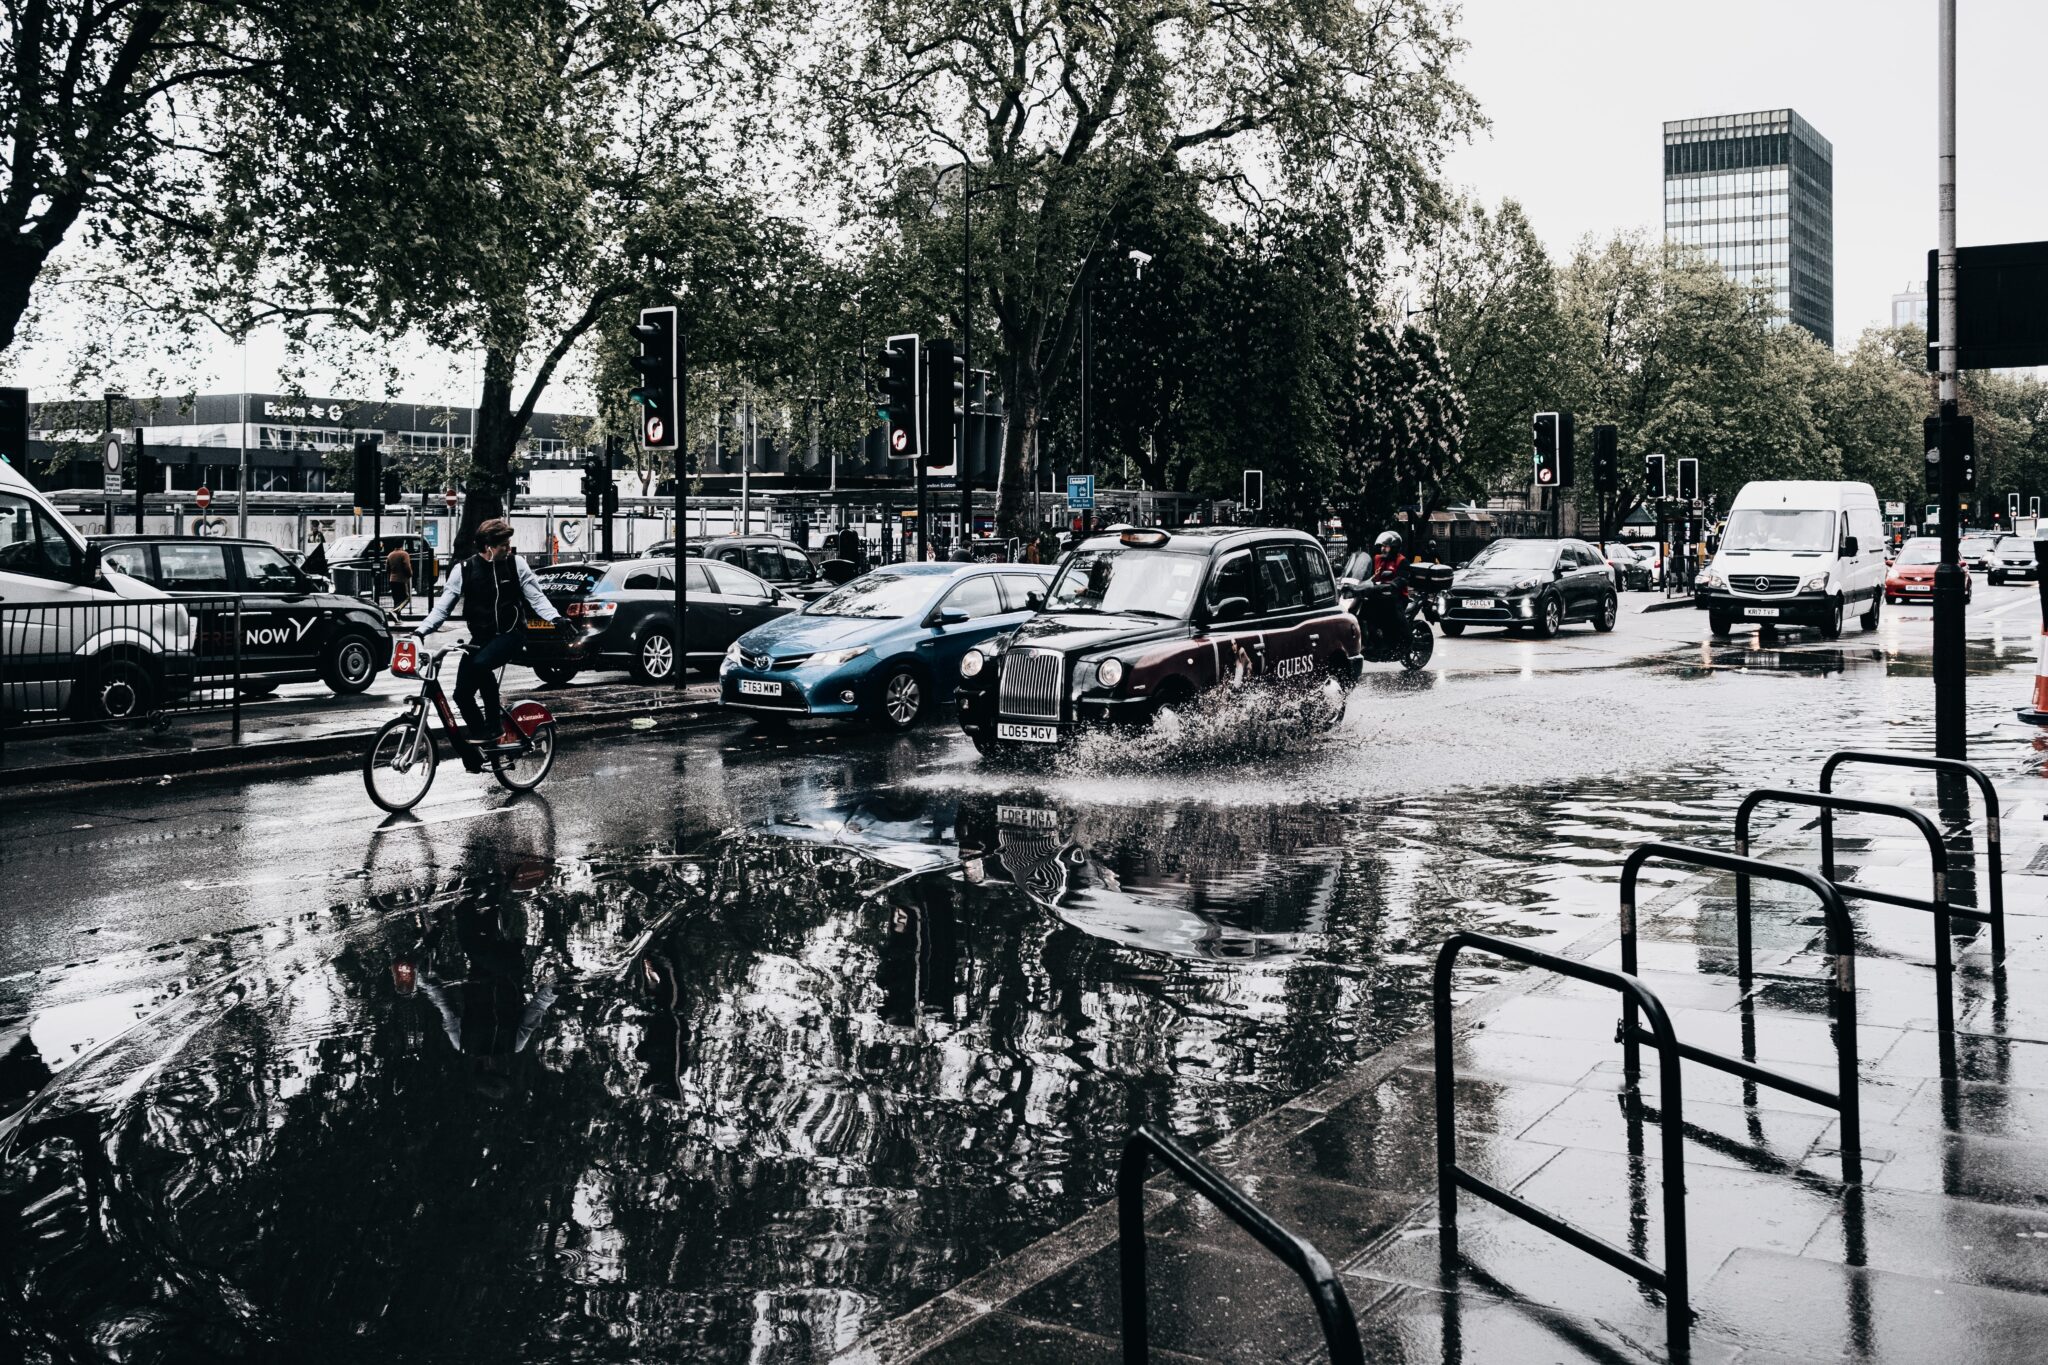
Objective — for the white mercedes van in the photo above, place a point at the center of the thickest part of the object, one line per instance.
(1798, 552)
(75, 636)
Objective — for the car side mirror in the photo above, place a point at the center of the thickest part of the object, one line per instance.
(949, 616)
(1850, 546)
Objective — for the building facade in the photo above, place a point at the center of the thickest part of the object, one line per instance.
(1910, 308)
(1755, 193)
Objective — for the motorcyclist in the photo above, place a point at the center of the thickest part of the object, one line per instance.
(1390, 565)
(489, 587)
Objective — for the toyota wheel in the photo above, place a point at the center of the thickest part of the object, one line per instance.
(900, 699)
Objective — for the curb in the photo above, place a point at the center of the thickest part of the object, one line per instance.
(1671, 604)
(165, 764)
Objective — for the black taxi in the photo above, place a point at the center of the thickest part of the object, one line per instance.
(291, 631)
(1140, 619)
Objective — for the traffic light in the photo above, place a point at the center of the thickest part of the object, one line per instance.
(394, 487)
(1547, 470)
(1953, 438)
(365, 487)
(2012, 509)
(946, 401)
(1688, 479)
(898, 370)
(1606, 458)
(660, 367)
(1565, 461)
(593, 485)
(149, 473)
(1654, 483)
(1254, 490)
(611, 498)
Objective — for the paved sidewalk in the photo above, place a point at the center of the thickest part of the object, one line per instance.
(1940, 1253)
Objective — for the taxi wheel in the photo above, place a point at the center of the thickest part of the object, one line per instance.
(352, 664)
(898, 700)
(654, 659)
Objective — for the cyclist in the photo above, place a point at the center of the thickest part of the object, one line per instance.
(488, 586)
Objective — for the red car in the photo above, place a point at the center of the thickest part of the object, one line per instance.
(1912, 574)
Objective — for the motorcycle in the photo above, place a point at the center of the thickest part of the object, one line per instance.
(1397, 619)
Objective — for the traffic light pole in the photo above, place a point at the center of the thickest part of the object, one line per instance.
(682, 508)
(141, 484)
(1950, 702)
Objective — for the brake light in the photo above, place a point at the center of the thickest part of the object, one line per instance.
(591, 611)
(405, 659)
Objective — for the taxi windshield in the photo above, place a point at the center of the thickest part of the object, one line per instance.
(1134, 582)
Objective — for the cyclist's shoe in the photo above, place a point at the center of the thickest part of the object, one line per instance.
(472, 760)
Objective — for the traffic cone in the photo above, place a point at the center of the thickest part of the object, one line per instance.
(2037, 714)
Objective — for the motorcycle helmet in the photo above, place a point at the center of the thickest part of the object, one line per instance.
(1389, 543)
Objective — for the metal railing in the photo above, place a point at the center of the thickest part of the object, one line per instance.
(1844, 1100)
(1333, 1307)
(1672, 1278)
(1953, 767)
(111, 660)
(1938, 905)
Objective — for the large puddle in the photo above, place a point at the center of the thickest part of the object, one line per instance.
(876, 1017)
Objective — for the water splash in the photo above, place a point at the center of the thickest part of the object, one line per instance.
(1224, 726)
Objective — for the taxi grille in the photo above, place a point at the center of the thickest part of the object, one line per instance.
(1031, 685)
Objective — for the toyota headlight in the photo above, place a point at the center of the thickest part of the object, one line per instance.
(972, 662)
(732, 652)
(1109, 672)
(1817, 583)
(833, 658)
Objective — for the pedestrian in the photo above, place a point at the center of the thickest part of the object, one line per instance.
(960, 554)
(1031, 551)
(398, 577)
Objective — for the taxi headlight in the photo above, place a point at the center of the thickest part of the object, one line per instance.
(971, 663)
(1110, 672)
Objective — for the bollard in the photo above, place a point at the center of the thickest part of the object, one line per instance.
(2037, 714)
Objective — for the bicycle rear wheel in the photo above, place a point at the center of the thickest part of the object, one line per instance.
(522, 772)
(399, 765)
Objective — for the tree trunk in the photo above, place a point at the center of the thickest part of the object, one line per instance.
(20, 265)
(491, 480)
(1020, 446)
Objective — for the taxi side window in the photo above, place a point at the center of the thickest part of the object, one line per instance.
(265, 570)
(977, 597)
(1018, 587)
(1232, 578)
(1315, 571)
(132, 560)
(1283, 585)
(732, 583)
(192, 568)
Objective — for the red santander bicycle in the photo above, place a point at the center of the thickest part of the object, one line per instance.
(399, 767)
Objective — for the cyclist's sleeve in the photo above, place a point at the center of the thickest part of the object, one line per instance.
(444, 605)
(535, 598)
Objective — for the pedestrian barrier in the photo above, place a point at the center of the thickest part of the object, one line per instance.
(118, 660)
(1937, 905)
(1994, 859)
(1843, 1099)
(1451, 1177)
(1333, 1307)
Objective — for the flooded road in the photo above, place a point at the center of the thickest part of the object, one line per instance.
(736, 1044)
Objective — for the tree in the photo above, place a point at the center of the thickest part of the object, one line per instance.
(1277, 104)
(1400, 429)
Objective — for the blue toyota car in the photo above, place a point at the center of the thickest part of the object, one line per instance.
(884, 647)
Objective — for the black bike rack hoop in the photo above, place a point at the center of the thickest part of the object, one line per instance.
(1937, 852)
(1844, 1098)
(1994, 858)
(1333, 1307)
(1451, 1177)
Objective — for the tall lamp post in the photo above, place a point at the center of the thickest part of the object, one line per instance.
(1139, 260)
(966, 469)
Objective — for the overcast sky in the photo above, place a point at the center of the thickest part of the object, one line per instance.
(1578, 91)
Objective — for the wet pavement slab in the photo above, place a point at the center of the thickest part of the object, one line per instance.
(798, 1045)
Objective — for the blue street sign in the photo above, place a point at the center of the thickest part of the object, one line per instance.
(1080, 491)
(430, 531)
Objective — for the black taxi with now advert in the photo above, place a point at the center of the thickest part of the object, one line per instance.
(1138, 620)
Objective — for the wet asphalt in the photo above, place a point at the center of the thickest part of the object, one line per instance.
(735, 1043)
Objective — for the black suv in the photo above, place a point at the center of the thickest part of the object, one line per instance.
(771, 558)
(1138, 619)
(630, 608)
(1537, 584)
(291, 631)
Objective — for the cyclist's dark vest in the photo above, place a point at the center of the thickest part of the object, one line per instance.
(490, 596)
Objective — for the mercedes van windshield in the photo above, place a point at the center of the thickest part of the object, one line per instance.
(1780, 528)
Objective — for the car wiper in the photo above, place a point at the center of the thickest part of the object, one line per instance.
(1147, 611)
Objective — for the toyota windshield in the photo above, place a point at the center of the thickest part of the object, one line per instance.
(1133, 582)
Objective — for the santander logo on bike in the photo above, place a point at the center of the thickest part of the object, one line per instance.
(405, 658)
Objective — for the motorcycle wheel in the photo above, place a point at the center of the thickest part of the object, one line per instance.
(1421, 645)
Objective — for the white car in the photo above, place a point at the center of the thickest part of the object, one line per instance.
(1652, 555)
(2011, 557)
(74, 636)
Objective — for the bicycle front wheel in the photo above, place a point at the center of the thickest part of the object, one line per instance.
(399, 765)
(522, 772)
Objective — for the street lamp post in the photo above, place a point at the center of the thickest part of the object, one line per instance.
(1950, 737)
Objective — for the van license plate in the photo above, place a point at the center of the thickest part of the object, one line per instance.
(1035, 734)
(1759, 611)
(753, 687)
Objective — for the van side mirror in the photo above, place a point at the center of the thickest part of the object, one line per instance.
(1850, 546)
(89, 568)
